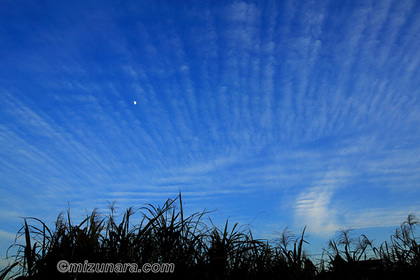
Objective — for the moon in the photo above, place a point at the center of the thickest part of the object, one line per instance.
(135, 102)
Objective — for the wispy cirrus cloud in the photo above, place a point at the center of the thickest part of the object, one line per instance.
(380, 217)
(314, 206)
(240, 105)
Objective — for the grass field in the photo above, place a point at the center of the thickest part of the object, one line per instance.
(200, 250)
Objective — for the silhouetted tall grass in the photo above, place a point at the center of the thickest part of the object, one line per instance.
(200, 250)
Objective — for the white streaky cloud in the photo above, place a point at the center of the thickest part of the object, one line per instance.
(255, 100)
(313, 210)
(203, 167)
(7, 239)
(399, 16)
(313, 206)
(174, 194)
(9, 215)
(129, 70)
(63, 135)
(6, 236)
(381, 217)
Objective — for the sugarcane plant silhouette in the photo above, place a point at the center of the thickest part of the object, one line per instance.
(199, 249)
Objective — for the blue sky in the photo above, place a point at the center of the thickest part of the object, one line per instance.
(283, 113)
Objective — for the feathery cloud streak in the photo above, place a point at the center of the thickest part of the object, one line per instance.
(304, 110)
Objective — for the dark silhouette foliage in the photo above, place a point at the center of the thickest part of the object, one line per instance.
(200, 250)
